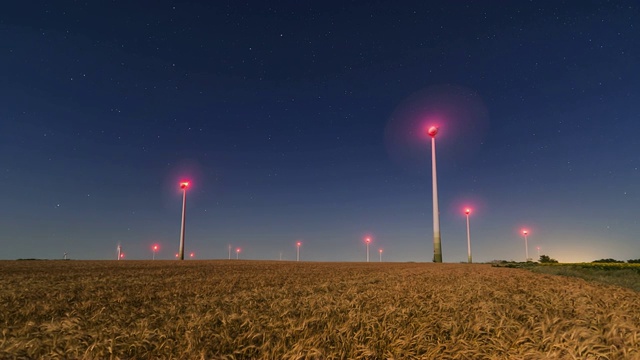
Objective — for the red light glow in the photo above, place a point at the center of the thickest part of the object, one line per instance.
(122, 255)
(184, 185)
(177, 255)
(433, 130)
(368, 240)
(238, 250)
(155, 247)
(525, 232)
(192, 255)
(298, 243)
(458, 111)
(380, 251)
(467, 211)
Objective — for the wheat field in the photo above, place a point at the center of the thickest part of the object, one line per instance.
(287, 310)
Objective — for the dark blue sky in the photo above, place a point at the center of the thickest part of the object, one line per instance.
(286, 117)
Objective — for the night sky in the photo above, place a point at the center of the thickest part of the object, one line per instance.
(304, 121)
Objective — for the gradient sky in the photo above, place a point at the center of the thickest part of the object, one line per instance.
(289, 119)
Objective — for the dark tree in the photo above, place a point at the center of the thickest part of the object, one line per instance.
(634, 261)
(607, 261)
(545, 259)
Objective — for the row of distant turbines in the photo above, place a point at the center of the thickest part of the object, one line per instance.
(432, 131)
(155, 248)
(184, 185)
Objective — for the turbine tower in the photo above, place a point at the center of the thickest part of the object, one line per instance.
(437, 245)
(183, 185)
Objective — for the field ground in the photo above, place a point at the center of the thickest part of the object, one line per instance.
(287, 310)
(621, 274)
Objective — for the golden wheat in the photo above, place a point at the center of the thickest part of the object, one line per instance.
(286, 310)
